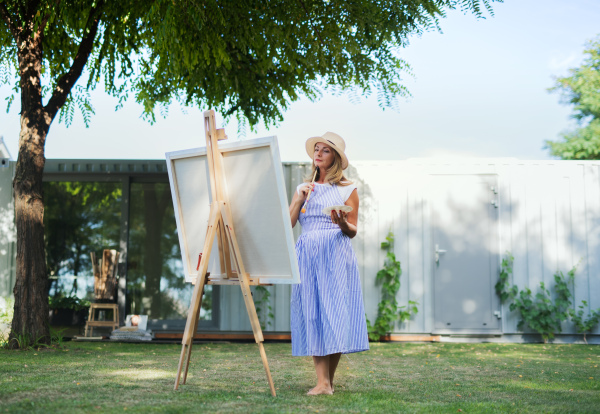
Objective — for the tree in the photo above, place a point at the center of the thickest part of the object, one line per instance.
(248, 58)
(582, 90)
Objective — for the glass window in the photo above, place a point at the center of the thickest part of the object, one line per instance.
(79, 218)
(84, 217)
(155, 279)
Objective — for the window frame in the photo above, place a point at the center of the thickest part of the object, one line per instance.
(126, 172)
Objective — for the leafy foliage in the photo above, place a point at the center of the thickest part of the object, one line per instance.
(244, 58)
(388, 311)
(6, 316)
(57, 337)
(542, 312)
(264, 310)
(239, 57)
(24, 341)
(584, 324)
(68, 302)
(582, 90)
(505, 272)
(6, 309)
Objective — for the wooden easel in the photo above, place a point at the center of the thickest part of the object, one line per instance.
(220, 224)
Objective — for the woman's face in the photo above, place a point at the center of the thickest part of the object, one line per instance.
(323, 156)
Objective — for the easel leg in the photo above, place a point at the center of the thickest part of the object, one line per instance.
(181, 358)
(263, 356)
(194, 313)
(187, 361)
(189, 351)
(258, 335)
(186, 348)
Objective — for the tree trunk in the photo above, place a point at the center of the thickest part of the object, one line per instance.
(31, 320)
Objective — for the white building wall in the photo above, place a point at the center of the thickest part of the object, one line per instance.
(550, 221)
(548, 218)
(7, 231)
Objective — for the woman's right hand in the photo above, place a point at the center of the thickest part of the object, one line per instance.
(298, 201)
(305, 191)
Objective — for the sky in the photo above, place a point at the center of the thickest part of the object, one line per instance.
(480, 89)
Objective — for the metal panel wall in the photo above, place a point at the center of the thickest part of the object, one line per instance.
(549, 219)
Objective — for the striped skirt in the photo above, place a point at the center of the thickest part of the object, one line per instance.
(327, 311)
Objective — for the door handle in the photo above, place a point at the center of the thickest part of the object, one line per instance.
(438, 251)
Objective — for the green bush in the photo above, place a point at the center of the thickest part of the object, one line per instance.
(540, 312)
(68, 302)
(6, 309)
(584, 325)
(544, 312)
(6, 316)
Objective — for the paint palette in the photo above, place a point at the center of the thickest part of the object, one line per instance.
(328, 210)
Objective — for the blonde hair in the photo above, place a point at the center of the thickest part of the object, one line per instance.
(335, 174)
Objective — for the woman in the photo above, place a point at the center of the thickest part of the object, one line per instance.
(327, 312)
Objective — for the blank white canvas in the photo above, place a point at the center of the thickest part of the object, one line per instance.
(258, 203)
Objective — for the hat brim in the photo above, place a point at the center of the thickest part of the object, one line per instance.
(310, 149)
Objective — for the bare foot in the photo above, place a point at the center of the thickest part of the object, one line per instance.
(320, 390)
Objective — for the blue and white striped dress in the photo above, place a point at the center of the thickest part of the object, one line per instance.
(327, 311)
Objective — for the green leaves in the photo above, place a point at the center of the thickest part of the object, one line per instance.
(78, 98)
(68, 302)
(389, 276)
(539, 313)
(582, 90)
(502, 286)
(263, 306)
(584, 324)
(249, 58)
(544, 312)
(388, 311)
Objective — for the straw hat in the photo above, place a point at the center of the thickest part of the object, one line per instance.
(334, 141)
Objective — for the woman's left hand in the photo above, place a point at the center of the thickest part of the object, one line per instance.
(340, 218)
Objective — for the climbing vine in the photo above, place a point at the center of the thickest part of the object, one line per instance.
(544, 312)
(388, 311)
(263, 307)
(584, 325)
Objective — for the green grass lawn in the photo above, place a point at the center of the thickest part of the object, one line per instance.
(228, 377)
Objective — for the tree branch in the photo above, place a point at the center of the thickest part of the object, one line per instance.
(67, 81)
(13, 25)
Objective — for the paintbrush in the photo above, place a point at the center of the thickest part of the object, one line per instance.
(312, 189)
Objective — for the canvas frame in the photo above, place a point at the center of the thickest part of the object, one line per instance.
(268, 249)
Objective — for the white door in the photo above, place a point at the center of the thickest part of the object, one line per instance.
(465, 244)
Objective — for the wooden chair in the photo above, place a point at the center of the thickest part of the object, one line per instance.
(105, 288)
